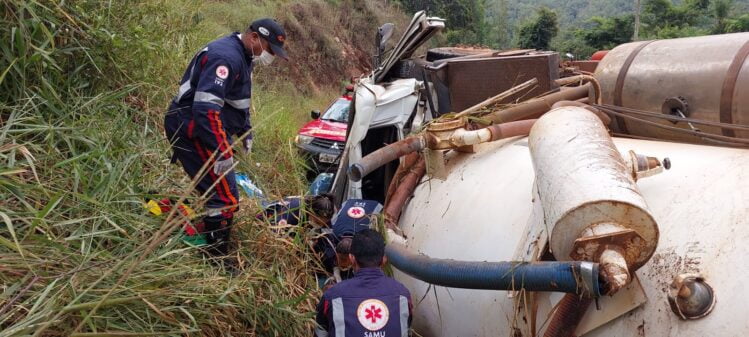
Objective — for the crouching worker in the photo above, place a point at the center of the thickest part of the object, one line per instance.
(355, 215)
(316, 210)
(370, 303)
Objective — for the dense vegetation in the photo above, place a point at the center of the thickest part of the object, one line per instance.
(581, 26)
(83, 87)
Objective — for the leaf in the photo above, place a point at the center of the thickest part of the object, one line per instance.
(9, 224)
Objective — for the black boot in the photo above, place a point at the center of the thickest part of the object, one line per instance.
(217, 232)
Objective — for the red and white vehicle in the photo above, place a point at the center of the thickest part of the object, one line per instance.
(322, 139)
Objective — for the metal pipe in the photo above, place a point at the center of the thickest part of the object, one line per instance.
(383, 156)
(403, 191)
(583, 79)
(569, 312)
(536, 107)
(576, 277)
(463, 137)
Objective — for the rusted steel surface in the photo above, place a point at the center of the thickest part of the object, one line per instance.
(620, 81)
(709, 80)
(569, 312)
(729, 88)
(383, 156)
(536, 107)
(511, 129)
(583, 79)
(408, 161)
(472, 81)
(405, 188)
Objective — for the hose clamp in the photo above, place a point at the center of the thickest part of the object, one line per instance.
(589, 276)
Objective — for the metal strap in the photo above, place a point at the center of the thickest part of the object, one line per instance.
(620, 82)
(729, 88)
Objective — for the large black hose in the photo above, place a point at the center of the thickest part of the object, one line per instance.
(568, 277)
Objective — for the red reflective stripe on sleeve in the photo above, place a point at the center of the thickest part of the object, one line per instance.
(203, 61)
(325, 308)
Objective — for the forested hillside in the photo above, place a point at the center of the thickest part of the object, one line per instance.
(580, 26)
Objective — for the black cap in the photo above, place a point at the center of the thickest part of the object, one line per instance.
(272, 32)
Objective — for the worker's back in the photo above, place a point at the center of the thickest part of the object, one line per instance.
(370, 304)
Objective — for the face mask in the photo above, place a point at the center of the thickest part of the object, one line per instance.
(265, 58)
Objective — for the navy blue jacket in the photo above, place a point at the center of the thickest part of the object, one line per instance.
(289, 209)
(214, 94)
(370, 304)
(354, 216)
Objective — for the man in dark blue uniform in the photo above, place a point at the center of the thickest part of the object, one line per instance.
(212, 105)
(370, 304)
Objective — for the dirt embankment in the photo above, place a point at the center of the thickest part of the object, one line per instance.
(329, 43)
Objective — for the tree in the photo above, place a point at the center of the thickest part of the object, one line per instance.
(607, 33)
(721, 10)
(737, 25)
(537, 34)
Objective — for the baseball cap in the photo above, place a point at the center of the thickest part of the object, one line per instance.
(272, 32)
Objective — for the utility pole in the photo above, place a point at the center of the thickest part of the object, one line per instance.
(637, 21)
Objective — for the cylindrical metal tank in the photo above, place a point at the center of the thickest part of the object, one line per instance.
(484, 208)
(704, 77)
(582, 181)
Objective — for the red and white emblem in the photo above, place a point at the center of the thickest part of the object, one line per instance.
(222, 72)
(373, 314)
(356, 212)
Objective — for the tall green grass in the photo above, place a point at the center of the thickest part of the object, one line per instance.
(83, 85)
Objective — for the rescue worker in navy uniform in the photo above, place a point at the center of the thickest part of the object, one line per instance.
(370, 304)
(212, 105)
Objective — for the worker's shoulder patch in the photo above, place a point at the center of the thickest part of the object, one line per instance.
(373, 314)
(222, 72)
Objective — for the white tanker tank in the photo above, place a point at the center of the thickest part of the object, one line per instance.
(569, 231)
(691, 221)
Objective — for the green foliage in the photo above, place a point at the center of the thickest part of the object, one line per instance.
(465, 19)
(606, 33)
(739, 24)
(538, 33)
(83, 87)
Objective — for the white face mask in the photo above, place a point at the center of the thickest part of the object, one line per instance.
(265, 58)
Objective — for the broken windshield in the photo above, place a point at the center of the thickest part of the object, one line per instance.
(338, 111)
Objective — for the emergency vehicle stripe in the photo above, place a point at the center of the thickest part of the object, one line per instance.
(338, 318)
(239, 103)
(319, 332)
(404, 316)
(224, 194)
(207, 97)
